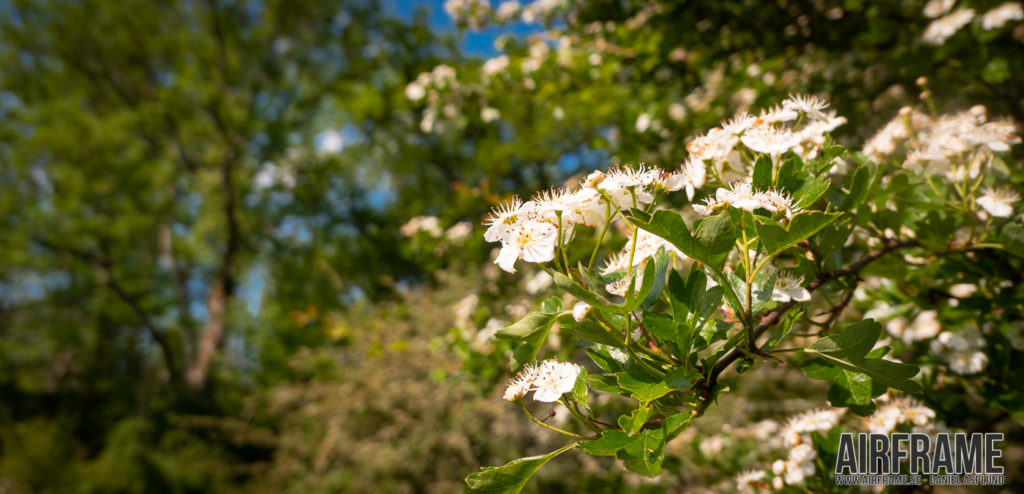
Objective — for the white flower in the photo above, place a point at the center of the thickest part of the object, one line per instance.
(926, 325)
(715, 145)
(787, 287)
(962, 350)
(740, 195)
(777, 114)
(739, 123)
(968, 362)
(941, 29)
(530, 240)
(676, 112)
(935, 8)
(998, 202)
(499, 222)
(553, 379)
(619, 286)
(495, 65)
(799, 464)
(711, 446)
(579, 311)
(811, 105)
(690, 176)
(643, 122)
(774, 200)
(429, 224)
(459, 231)
(415, 91)
(538, 282)
(488, 114)
(799, 426)
(521, 384)
(997, 17)
(623, 184)
(507, 10)
(770, 140)
(747, 477)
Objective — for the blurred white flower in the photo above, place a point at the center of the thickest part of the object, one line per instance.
(415, 91)
(941, 29)
(998, 202)
(488, 114)
(643, 122)
(538, 282)
(935, 8)
(999, 16)
(429, 224)
(459, 231)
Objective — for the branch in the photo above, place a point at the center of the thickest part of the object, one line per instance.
(775, 315)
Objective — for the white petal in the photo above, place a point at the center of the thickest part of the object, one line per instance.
(507, 258)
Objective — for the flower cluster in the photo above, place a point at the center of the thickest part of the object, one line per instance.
(535, 229)
(962, 349)
(899, 411)
(943, 28)
(943, 142)
(798, 427)
(549, 381)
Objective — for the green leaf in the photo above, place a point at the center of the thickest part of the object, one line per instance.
(579, 392)
(849, 349)
(659, 326)
(595, 333)
(604, 383)
(635, 297)
(633, 422)
(644, 453)
(610, 442)
(853, 343)
(565, 283)
(1012, 238)
(532, 330)
(811, 191)
(679, 380)
(527, 326)
(777, 239)
(661, 261)
(859, 184)
(783, 329)
(644, 387)
(762, 178)
(511, 477)
(713, 237)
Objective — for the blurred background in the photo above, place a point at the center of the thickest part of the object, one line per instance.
(239, 240)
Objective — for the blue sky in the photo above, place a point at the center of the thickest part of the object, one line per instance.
(480, 43)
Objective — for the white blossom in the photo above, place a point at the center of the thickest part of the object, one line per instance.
(998, 202)
(580, 310)
(941, 29)
(787, 287)
(999, 16)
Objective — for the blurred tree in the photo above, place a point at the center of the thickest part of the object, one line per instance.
(165, 164)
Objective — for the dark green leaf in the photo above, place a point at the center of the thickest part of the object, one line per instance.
(511, 477)
(608, 444)
(642, 386)
(762, 177)
(777, 239)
